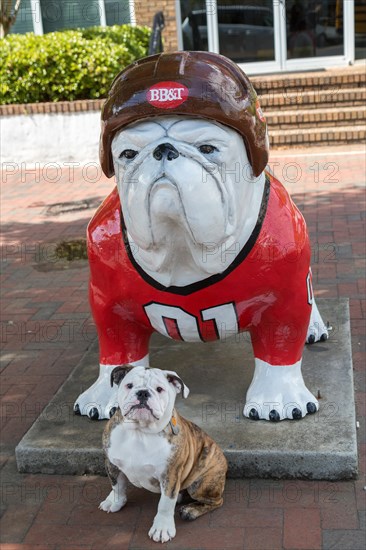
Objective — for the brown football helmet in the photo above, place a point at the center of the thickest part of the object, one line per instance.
(195, 84)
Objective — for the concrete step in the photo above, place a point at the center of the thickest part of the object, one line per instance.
(317, 136)
(308, 118)
(320, 446)
(313, 99)
(331, 79)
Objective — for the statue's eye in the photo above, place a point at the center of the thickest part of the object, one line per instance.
(128, 154)
(129, 386)
(207, 149)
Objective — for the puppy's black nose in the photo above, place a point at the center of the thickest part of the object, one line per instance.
(165, 150)
(143, 395)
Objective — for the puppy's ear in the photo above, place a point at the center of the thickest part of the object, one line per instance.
(177, 382)
(119, 373)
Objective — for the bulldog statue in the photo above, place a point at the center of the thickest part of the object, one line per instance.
(198, 241)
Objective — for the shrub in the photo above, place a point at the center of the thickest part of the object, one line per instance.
(67, 65)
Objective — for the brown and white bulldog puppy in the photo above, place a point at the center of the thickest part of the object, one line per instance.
(148, 443)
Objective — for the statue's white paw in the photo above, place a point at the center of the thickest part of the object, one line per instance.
(111, 505)
(317, 330)
(277, 393)
(100, 400)
(163, 529)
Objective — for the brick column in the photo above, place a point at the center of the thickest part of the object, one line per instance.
(145, 12)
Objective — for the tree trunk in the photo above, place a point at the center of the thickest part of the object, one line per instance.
(5, 26)
(8, 15)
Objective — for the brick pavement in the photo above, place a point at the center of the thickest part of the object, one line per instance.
(46, 328)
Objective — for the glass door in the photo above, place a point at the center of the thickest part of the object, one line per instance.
(265, 36)
(246, 32)
(317, 33)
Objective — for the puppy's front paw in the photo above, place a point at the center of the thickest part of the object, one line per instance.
(111, 505)
(163, 529)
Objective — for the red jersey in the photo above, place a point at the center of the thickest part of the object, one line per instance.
(266, 290)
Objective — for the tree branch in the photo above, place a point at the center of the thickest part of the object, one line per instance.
(16, 7)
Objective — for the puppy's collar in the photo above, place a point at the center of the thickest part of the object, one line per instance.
(173, 425)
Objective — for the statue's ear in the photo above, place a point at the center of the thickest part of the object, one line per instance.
(177, 382)
(119, 373)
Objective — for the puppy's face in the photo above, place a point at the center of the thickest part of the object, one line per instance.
(180, 175)
(147, 396)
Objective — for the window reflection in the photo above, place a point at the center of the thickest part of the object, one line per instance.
(246, 31)
(194, 25)
(314, 28)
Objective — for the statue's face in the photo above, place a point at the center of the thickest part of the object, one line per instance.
(180, 175)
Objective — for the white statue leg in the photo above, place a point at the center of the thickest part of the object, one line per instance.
(278, 392)
(317, 330)
(100, 400)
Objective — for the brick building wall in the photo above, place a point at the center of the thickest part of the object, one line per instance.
(145, 11)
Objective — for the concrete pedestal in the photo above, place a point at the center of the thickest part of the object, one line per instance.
(321, 446)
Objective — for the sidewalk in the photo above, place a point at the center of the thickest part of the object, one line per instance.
(46, 328)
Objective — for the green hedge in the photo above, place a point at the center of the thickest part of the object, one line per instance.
(67, 65)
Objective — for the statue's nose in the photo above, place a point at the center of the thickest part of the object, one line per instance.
(165, 150)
